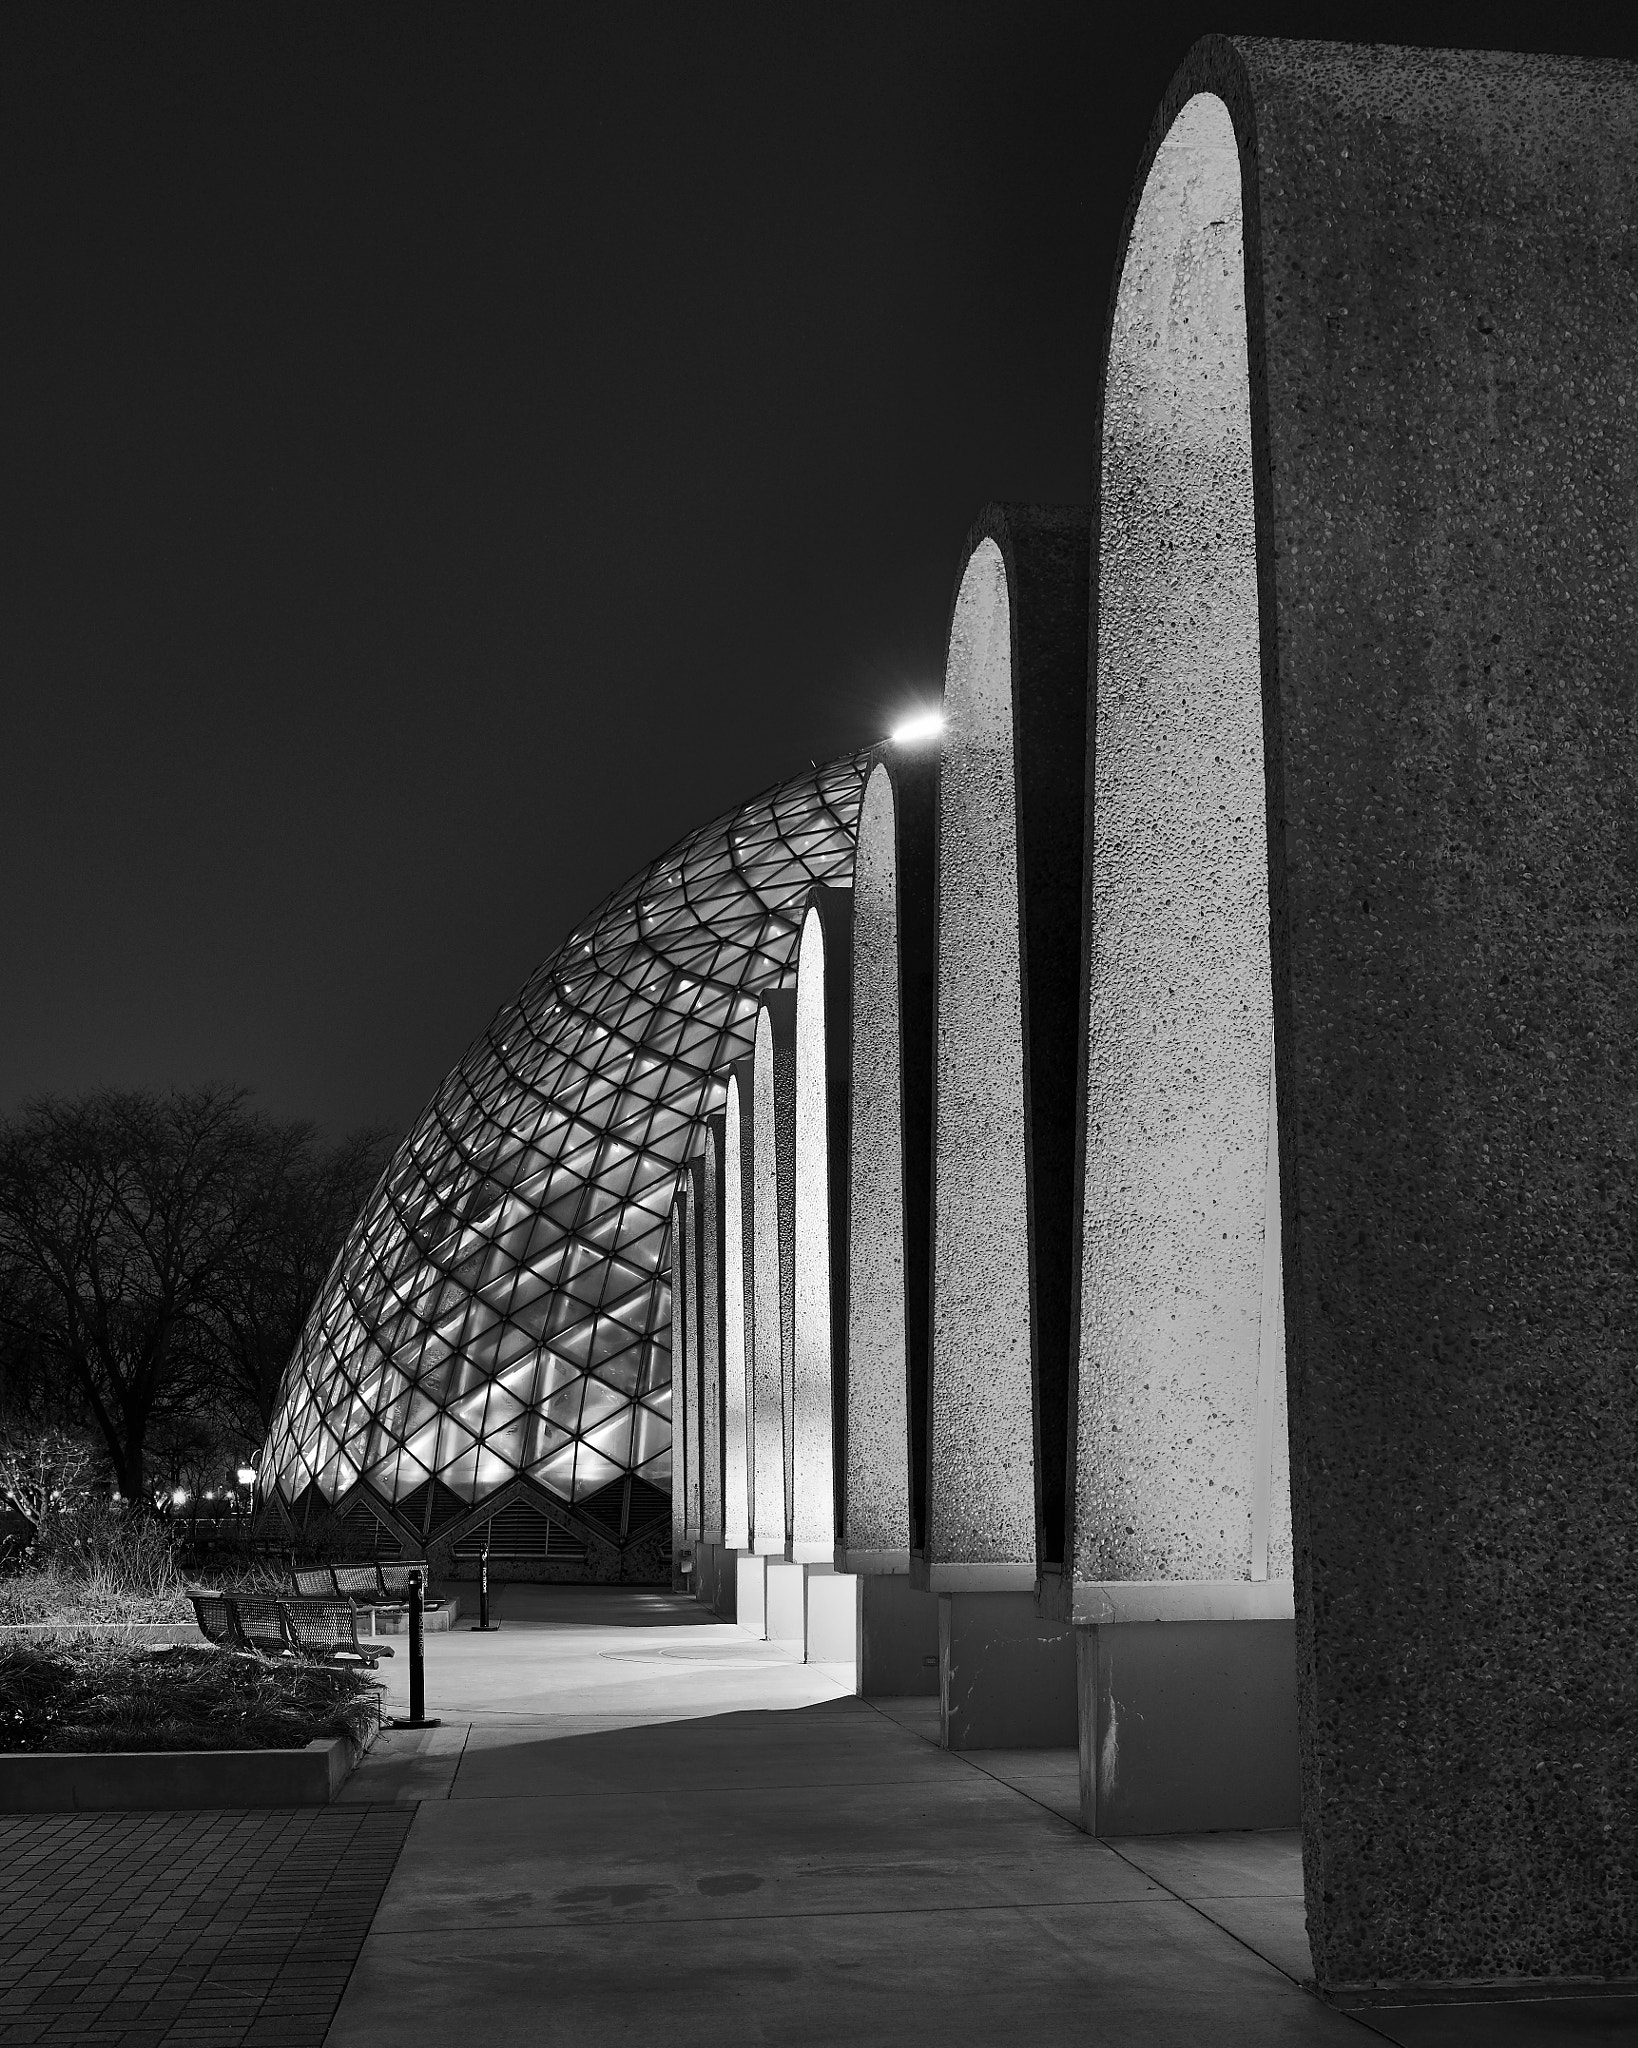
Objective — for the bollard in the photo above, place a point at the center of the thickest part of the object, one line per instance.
(417, 1715)
(483, 1625)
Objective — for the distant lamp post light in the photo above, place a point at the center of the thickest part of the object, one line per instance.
(179, 1496)
(919, 727)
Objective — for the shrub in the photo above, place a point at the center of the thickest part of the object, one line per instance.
(75, 1693)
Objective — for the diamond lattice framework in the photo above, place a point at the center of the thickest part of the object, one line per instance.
(502, 1306)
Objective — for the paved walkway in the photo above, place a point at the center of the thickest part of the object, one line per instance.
(140, 1930)
(637, 1825)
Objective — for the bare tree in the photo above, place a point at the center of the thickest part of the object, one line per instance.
(43, 1475)
(121, 1216)
(266, 1292)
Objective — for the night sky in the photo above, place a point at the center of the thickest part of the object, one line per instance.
(451, 452)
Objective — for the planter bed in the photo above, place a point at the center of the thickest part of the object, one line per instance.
(77, 1781)
(98, 1720)
(151, 1633)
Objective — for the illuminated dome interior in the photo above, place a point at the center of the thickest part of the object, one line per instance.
(501, 1310)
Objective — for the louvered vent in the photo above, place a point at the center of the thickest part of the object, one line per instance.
(367, 1532)
(520, 1531)
(447, 1506)
(626, 1507)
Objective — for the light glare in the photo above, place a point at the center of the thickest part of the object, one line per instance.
(925, 725)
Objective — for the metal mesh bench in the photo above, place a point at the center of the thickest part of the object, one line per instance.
(260, 1625)
(367, 1585)
(216, 1619)
(357, 1582)
(274, 1626)
(240, 1621)
(328, 1630)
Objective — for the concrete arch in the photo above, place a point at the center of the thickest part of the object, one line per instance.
(738, 1305)
(884, 1484)
(819, 1266)
(1438, 306)
(1176, 1460)
(686, 1389)
(1011, 802)
(712, 1170)
(773, 1207)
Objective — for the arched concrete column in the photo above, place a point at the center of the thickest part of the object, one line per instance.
(883, 1462)
(884, 1494)
(1011, 803)
(1181, 1004)
(711, 1172)
(819, 1221)
(1403, 526)
(685, 1368)
(773, 1223)
(738, 1305)
(1179, 1462)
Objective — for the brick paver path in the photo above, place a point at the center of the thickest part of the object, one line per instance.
(133, 1930)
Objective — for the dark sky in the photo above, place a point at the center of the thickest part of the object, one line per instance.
(450, 452)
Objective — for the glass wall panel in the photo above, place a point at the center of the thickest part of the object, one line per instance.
(542, 1175)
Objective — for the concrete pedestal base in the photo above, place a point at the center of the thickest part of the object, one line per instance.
(1187, 1726)
(785, 1617)
(1006, 1678)
(751, 1593)
(898, 1638)
(716, 1580)
(833, 1600)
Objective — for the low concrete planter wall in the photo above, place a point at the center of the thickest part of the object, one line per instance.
(181, 1778)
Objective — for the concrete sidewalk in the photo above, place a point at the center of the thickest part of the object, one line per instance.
(639, 1825)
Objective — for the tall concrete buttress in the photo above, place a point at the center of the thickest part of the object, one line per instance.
(679, 1385)
(712, 1167)
(688, 1407)
(883, 1453)
(819, 1222)
(890, 1152)
(773, 1206)
(685, 1369)
(738, 1307)
(1011, 795)
(1367, 484)
(1010, 851)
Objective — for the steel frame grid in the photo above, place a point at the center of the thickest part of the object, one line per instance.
(502, 1307)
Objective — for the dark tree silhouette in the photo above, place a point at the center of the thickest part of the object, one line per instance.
(153, 1248)
(258, 1310)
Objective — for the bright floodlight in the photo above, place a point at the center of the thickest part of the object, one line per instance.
(179, 1497)
(247, 1475)
(926, 725)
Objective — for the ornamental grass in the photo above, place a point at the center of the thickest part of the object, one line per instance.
(99, 1565)
(79, 1693)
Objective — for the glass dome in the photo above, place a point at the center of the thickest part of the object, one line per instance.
(502, 1307)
